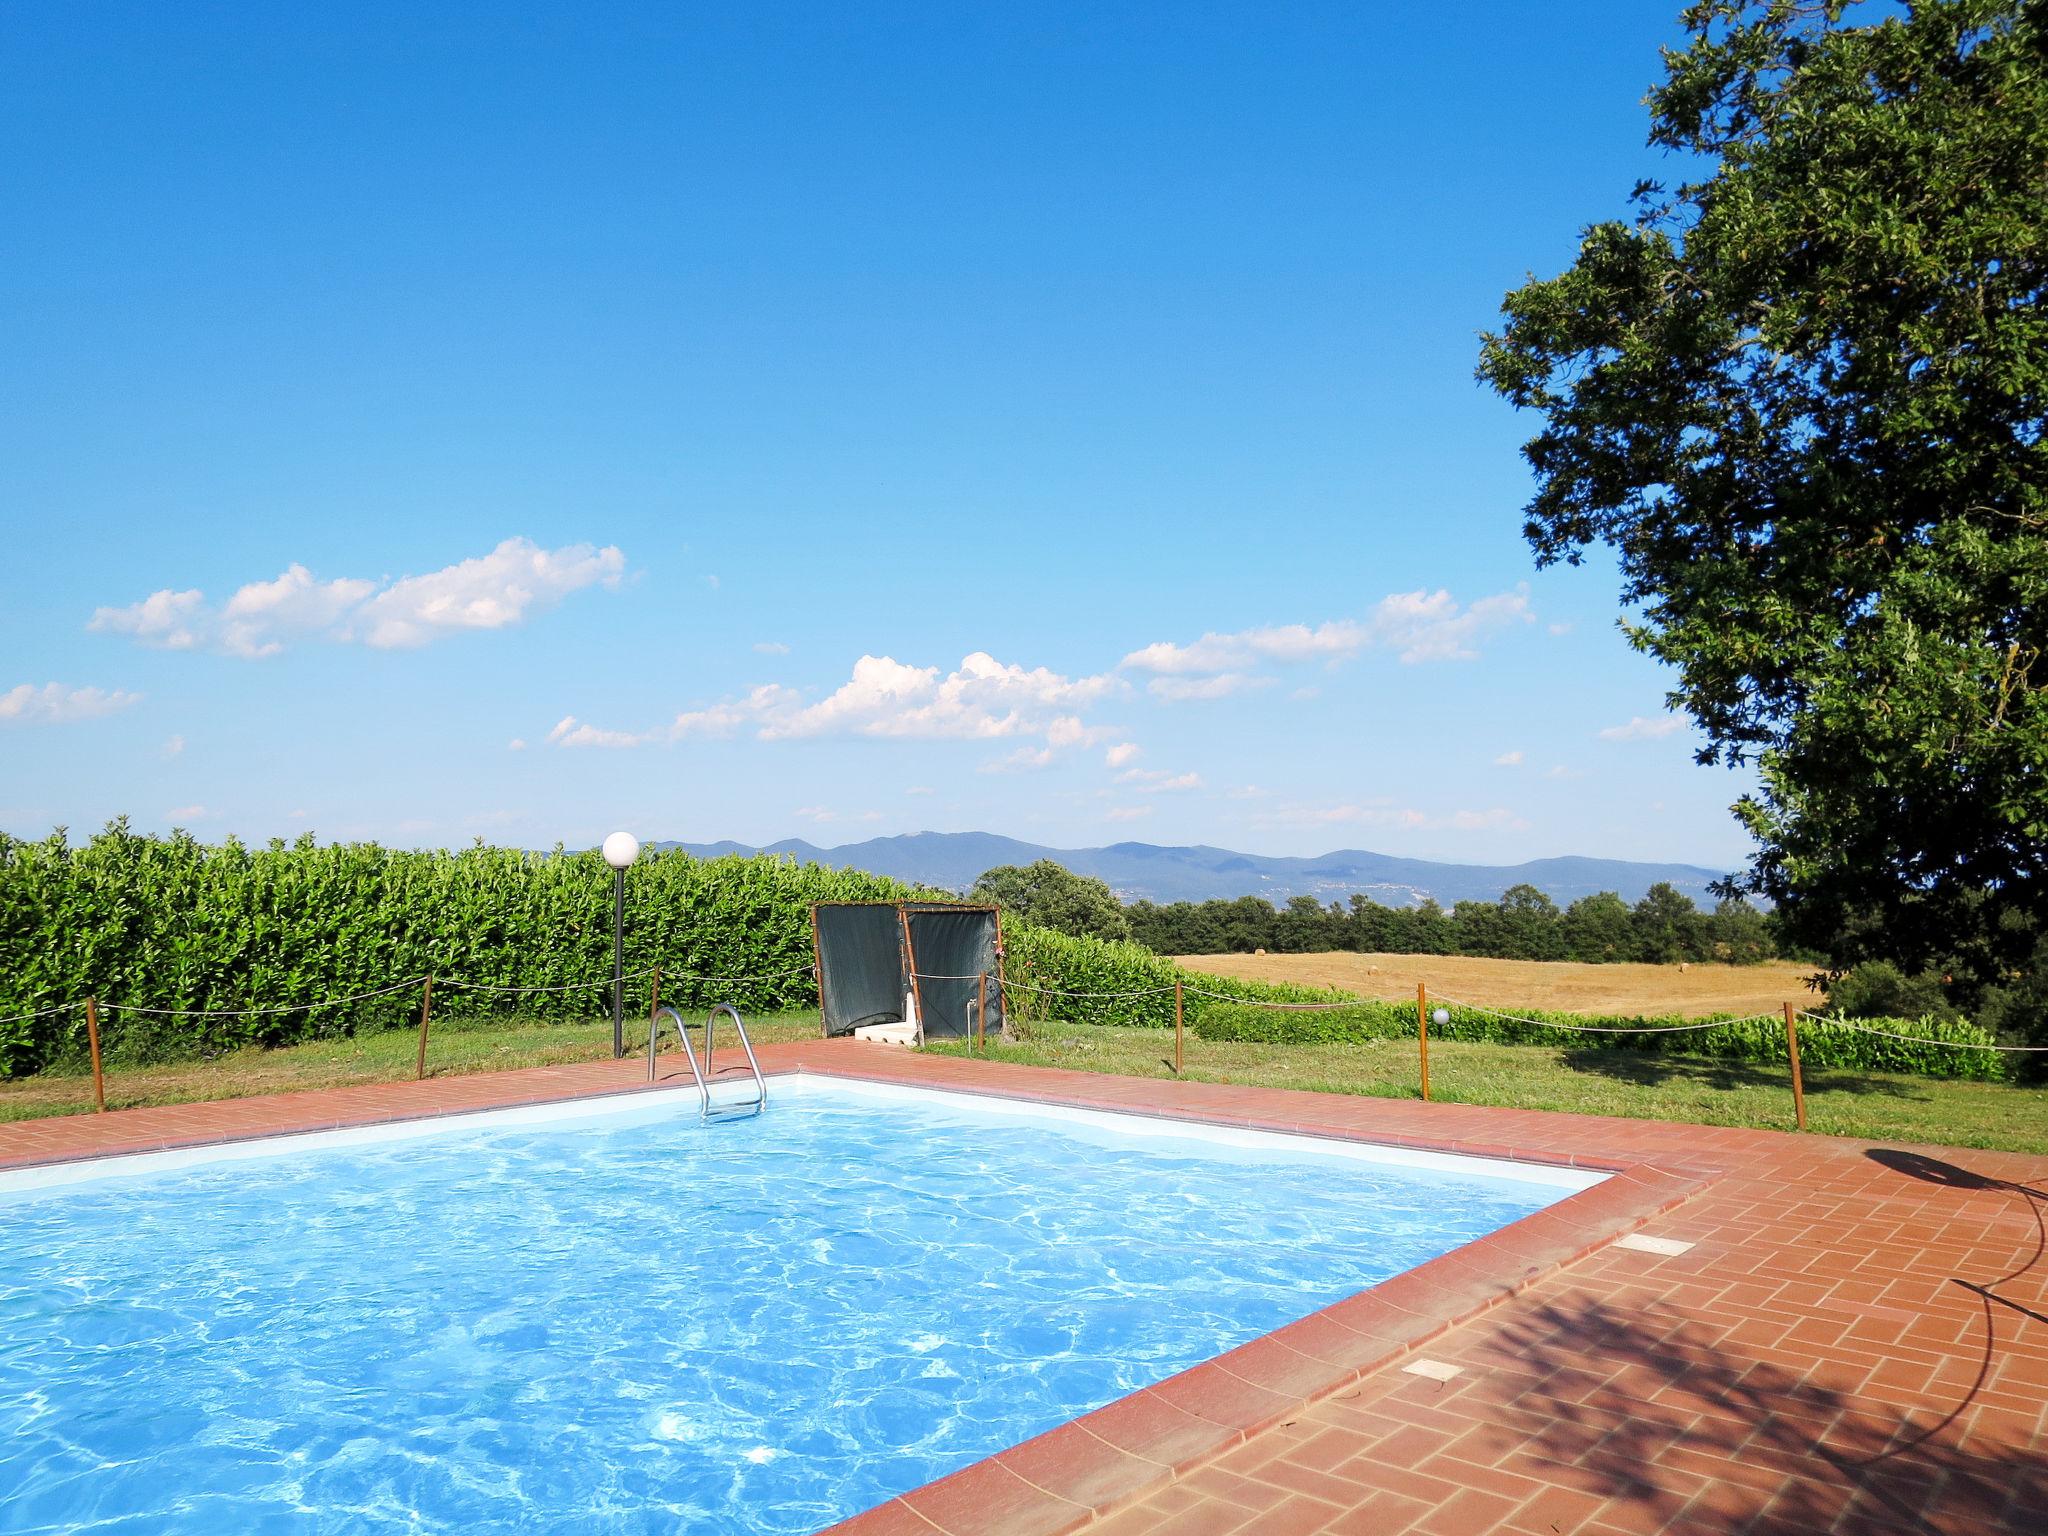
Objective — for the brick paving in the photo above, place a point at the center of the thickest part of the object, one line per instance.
(1857, 1341)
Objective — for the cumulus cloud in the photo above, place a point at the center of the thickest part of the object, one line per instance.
(1234, 652)
(1124, 752)
(56, 704)
(1154, 781)
(1177, 690)
(172, 747)
(183, 813)
(1385, 814)
(1644, 728)
(1431, 626)
(1417, 626)
(1127, 812)
(493, 591)
(571, 732)
(982, 698)
(1508, 760)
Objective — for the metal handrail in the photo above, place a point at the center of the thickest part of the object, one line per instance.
(701, 1070)
(682, 1034)
(740, 1026)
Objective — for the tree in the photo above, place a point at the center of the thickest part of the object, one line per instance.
(1801, 397)
(1666, 926)
(1053, 896)
(1598, 928)
(1737, 933)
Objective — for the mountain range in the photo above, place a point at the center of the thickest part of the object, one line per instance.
(1146, 871)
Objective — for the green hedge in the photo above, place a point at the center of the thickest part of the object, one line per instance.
(1046, 969)
(172, 923)
(1933, 1052)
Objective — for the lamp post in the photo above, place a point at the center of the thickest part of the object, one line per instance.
(620, 850)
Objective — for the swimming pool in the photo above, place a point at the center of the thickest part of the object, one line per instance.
(609, 1316)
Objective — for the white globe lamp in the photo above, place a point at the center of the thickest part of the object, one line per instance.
(621, 849)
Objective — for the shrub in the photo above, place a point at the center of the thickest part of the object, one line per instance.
(1935, 1049)
(1877, 989)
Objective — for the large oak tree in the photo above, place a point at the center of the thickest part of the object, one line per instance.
(1801, 394)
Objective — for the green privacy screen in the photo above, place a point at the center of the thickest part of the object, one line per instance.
(876, 956)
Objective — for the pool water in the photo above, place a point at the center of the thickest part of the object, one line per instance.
(616, 1318)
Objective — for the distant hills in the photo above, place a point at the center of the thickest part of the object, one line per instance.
(1146, 871)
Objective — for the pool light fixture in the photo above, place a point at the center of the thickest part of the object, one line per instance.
(620, 850)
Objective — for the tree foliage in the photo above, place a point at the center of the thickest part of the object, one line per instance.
(1051, 895)
(1802, 396)
(1524, 924)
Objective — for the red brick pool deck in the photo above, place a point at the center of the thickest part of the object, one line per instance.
(1856, 1341)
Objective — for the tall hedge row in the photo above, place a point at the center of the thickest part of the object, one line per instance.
(172, 923)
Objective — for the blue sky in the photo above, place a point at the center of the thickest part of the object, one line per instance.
(767, 420)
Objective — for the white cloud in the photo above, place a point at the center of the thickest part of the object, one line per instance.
(1644, 728)
(293, 604)
(184, 813)
(1508, 760)
(1179, 690)
(1418, 626)
(919, 789)
(980, 699)
(1127, 812)
(1022, 758)
(771, 647)
(571, 732)
(1564, 771)
(55, 704)
(516, 744)
(1383, 813)
(1430, 626)
(1561, 627)
(1122, 753)
(493, 591)
(1154, 781)
(1234, 652)
(721, 720)
(1249, 792)
(817, 813)
(167, 619)
(172, 747)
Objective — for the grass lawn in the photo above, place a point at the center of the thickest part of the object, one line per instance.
(380, 1057)
(1877, 1106)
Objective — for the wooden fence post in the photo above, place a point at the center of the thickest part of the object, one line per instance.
(1179, 1030)
(426, 1008)
(1422, 1032)
(1792, 1050)
(92, 1035)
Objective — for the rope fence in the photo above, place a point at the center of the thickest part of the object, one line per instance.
(93, 1008)
(1427, 1010)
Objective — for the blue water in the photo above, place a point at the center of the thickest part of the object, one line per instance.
(640, 1323)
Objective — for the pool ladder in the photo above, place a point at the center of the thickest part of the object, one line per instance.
(704, 1074)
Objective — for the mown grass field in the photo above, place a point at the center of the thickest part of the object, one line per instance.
(1565, 985)
(1576, 1080)
(1877, 1106)
(380, 1057)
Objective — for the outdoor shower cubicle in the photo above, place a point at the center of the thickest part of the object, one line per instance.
(884, 962)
